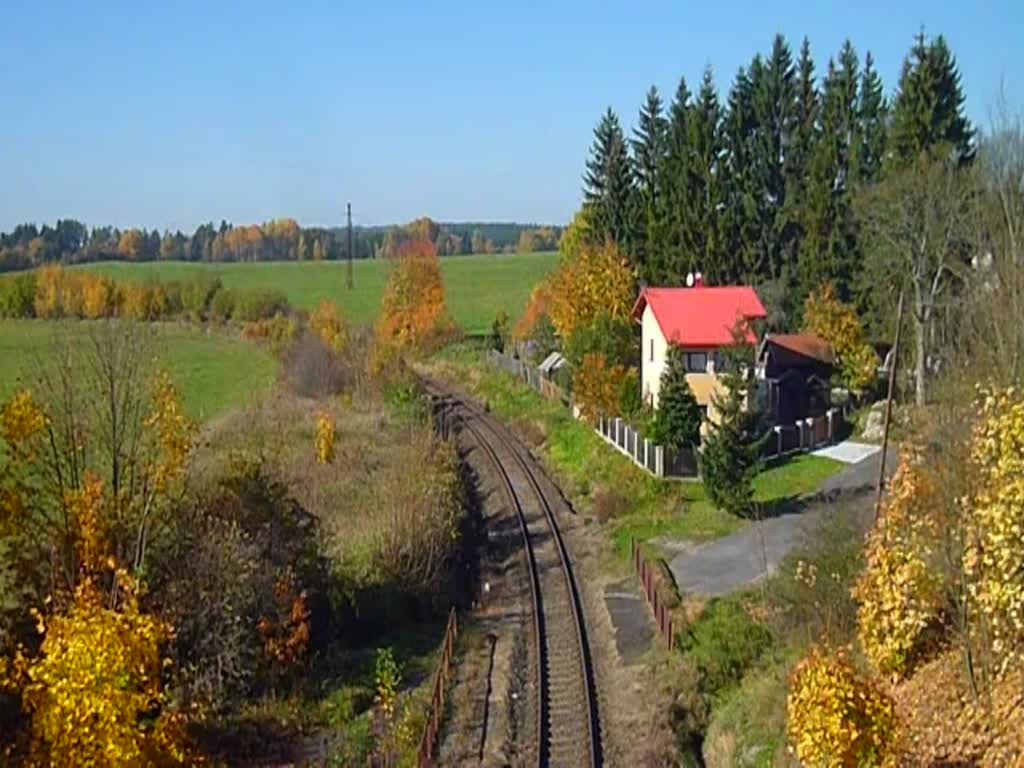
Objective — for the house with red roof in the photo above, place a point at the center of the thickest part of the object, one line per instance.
(702, 320)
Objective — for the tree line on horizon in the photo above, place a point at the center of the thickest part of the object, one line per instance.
(70, 241)
(765, 187)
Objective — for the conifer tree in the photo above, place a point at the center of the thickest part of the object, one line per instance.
(741, 259)
(872, 109)
(700, 231)
(677, 206)
(608, 183)
(928, 110)
(649, 149)
(678, 420)
(731, 457)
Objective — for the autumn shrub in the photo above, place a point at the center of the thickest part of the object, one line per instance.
(222, 306)
(597, 385)
(901, 591)
(325, 437)
(197, 294)
(995, 523)
(312, 369)
(48, 300)
(328, 322)
(837, 716)
(277, 332)
(536, 310)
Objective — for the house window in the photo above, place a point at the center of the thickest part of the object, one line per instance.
(652, 350)
(696, 362)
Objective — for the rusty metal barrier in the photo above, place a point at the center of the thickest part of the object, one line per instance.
(425, 756)
(662, 614)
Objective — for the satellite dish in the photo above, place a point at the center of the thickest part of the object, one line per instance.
(689, 279)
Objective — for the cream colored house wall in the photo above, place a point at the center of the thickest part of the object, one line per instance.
(705, 386)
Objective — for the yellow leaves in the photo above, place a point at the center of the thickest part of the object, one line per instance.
(595, 281)
(93, 686)
(536, 308)
(413, 311)
(596, 386)
(21, 418)
(995, 520)
(900, 591)
(839, 325)
(836, 716)
(84, 507)
(174, 431)
(325, 436)
(327, 322)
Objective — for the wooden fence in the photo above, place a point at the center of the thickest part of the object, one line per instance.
(662, 615)
(425, 756)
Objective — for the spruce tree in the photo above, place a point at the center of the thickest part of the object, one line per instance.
(608, 184)
(869, 148)
(676, 207)
(650, 139)
(700, 230)
(731, 457)
(678, 420)
(742, 259)
(928, 110)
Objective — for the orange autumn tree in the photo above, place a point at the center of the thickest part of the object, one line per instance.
(597, 385)
(838, 324)
(590, 282)
(413, 312)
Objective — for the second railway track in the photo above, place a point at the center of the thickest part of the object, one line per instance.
(567, 725)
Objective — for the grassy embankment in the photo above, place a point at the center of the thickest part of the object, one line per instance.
(600, 480)
(214, 371)
(477, 286)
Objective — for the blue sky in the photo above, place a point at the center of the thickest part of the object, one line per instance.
(166, 114)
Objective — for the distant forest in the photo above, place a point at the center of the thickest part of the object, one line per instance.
(72, 242)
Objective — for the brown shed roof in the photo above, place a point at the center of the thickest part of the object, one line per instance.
(807, 344)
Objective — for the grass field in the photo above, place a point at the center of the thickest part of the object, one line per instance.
(477, 286)
(214, 372)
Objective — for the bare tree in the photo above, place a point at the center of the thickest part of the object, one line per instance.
(919, 230)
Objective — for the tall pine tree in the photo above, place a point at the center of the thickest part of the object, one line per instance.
(701, 222)
(928, 112)
(608, 185)
(650, 143)
(742, 261)
(869, 148)
(676, 205)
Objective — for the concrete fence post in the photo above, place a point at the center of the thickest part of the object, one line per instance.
(659, 460)
(810, 432)
(778, 439)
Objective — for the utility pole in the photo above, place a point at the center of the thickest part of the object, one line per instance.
(888, 406)
(351, 282)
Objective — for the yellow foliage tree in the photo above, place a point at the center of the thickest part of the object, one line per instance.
(838, 718)
(536, 308)
(130, 244)
(591, 281)
(329, 324)
(97, 296)
(596, 386)
(900, 591)
(136, 301)
(838, 324)
(413, 310)
(49, 292)
(995, 523)
(94, 692)
(325, 436)
(174, 431)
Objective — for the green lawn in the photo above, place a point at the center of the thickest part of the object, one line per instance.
(215, 372)
(477, 286)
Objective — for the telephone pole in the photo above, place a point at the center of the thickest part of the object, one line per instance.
(351, 282)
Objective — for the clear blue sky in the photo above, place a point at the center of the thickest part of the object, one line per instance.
(166, 114)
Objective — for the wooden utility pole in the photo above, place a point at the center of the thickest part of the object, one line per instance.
(351, 281)
(888, 406)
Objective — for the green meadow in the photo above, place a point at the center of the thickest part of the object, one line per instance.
(476, 286)
(214, 372)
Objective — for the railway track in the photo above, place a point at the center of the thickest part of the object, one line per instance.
(567, 721)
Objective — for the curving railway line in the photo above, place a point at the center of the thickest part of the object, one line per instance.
(567, 723)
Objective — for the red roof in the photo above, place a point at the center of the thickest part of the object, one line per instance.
(701, 316)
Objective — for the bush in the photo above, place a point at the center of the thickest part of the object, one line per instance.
(724, 642)
(17, 295)
(312, 369)
(838, 717)
(196, 295)
(222, 306)
(631, 404)
(278, 332)
(260, 305)
(596, 385)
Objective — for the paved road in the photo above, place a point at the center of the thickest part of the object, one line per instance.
(749, 555)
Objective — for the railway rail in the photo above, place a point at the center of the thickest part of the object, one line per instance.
(567, 722)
